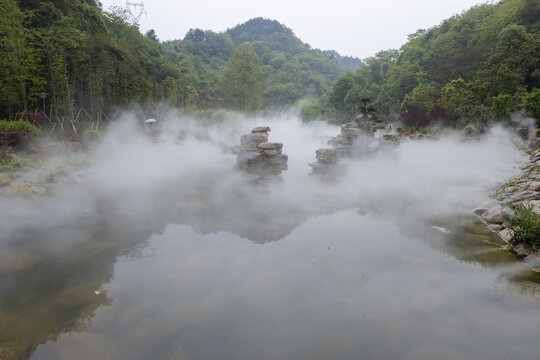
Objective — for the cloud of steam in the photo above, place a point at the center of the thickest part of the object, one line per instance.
(187, 174)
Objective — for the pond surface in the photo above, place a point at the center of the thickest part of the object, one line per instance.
(152, 252)
(342, 286)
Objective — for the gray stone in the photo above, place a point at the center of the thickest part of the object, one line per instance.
(326, 154)
(495, 227)
(260, 129)
(493, 216)
(522, 196)
(271, 153)
(506, 235)
(534, 186)
(253, 139)
(270, 146)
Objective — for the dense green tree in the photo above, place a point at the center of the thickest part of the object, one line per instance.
(457, 99)
(485, 58)
(531, 102)
(242, 80)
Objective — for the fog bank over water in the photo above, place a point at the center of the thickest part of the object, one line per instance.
(186, 174)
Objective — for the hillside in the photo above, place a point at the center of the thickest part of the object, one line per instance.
(483, 63)
(292, 69)
(87, 62)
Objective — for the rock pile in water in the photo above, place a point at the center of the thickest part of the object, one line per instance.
(344, 142)
(258, 156)
(369, 124)
(327, 162)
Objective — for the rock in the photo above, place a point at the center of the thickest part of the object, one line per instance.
(260, 129)
(257, 156)
(495, 227)
(534, 186)
(506, 235)
(522, 196)
(535, 206)
(492, 216)
(271, 153)
(327, 163)
(253, 139)
(270, 146)
(344, 142)
(522, 249)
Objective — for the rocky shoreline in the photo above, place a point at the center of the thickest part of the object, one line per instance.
(522, 190)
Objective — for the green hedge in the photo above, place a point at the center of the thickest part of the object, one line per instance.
(19, 125)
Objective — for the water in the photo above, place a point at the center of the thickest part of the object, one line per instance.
(383, 263)
(341, 286)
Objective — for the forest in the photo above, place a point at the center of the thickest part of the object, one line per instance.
(72, 59)
(88, 61)
(480, 65)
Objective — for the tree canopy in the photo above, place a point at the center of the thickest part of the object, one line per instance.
(486, 58)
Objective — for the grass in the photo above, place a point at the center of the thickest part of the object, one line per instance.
(4, 181)
(15, 163)
(24, 190)
(524, 224)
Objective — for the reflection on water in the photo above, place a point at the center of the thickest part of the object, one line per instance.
(343, 286)
(154, 253)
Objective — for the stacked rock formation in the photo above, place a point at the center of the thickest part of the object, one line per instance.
(258, 156)
(343, 143)
(327, 160)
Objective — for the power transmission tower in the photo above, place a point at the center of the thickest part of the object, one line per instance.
(135, 10)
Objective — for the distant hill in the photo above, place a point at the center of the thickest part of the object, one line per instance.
(293, 70)
(90, 61)
(351, 63)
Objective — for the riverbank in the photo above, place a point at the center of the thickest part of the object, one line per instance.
(523, 190)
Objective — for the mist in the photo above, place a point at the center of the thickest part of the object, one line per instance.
(187, 174)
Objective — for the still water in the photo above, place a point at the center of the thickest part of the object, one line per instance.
(161, 250)
(339, 286)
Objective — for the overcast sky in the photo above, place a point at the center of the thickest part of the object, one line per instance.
(352, 27)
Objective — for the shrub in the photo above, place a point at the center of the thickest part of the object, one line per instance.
(524, 224)
(19, 125)
(469, 130)
(4, 181)
(311, 109)
(24, 190)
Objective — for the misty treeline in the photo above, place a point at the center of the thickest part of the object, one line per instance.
(481, 64)
(89, 58)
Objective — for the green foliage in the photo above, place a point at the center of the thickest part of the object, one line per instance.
(19, 125)
(484, 58)
(310, 109)
(13, 163)
(242, 80)
(24, 190)
(524, 224)
(457, 99)
(531, 103)
(5, 181)
(501, 105)
(469, 130)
